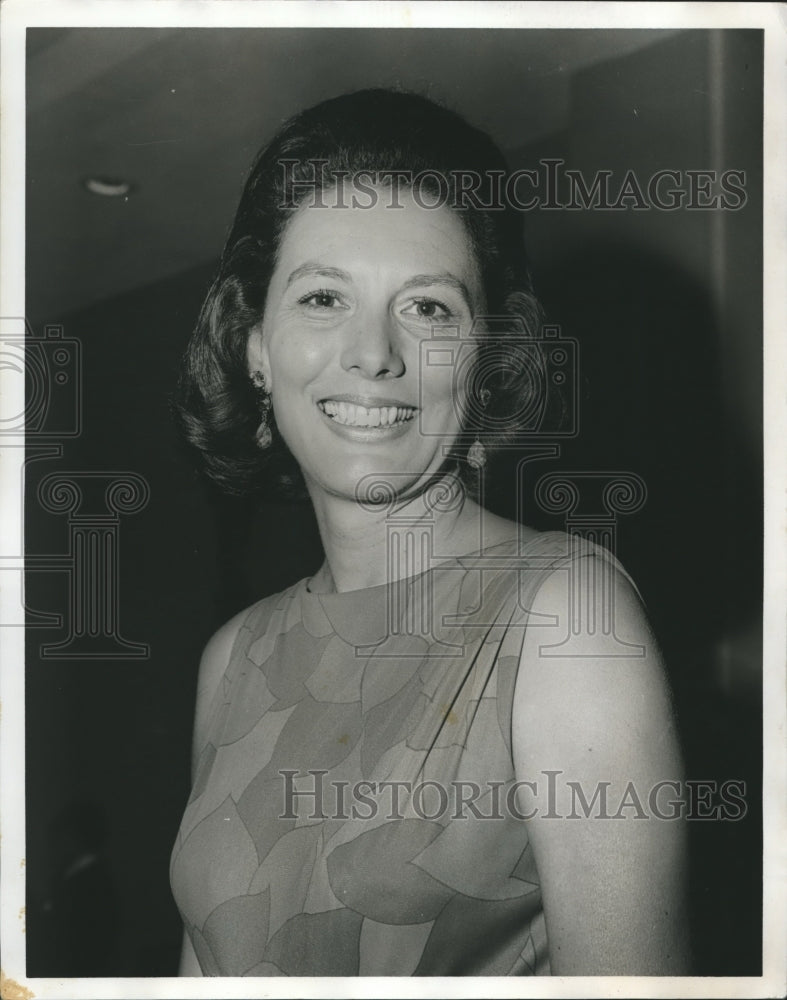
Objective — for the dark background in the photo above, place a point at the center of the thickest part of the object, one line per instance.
(666, 307)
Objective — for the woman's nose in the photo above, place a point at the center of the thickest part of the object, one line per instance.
(371, 348)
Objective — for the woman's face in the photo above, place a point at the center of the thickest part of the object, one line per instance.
(355, 294)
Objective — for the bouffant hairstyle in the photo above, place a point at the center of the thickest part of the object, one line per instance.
(388, 135)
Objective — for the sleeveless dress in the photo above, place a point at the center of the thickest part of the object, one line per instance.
(349, 814)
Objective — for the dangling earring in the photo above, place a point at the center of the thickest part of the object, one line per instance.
(264, 435)
(476, 454)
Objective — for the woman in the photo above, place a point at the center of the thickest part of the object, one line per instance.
(397, 771)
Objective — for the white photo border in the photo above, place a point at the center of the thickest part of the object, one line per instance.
(15, 17)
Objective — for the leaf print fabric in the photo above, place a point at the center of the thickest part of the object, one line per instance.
(317, 840)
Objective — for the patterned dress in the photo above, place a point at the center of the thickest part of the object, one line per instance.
(351, 812)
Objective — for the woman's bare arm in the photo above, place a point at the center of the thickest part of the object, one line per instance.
(189, 964)
(213, 664)
(613, 873)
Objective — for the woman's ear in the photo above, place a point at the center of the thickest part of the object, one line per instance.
(257, 354)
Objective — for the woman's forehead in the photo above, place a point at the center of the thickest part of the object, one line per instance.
(387, 233)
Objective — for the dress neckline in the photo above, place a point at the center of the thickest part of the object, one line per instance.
(450, 563)
(360, 617)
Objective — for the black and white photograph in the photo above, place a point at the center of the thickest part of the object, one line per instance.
(393, 538)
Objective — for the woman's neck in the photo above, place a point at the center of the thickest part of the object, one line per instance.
(367, 545)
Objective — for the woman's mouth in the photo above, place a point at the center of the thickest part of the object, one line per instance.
(356, 415)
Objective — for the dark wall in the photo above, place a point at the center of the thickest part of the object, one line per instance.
(667, 309)
(646, 295)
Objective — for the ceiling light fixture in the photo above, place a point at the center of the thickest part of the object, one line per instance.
(107, 187)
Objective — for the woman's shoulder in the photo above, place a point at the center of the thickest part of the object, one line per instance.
(550, 569)
(223, 640)
(218, 651)
(549, 548)
(256, 617)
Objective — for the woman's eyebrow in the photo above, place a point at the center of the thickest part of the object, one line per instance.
(445, 278)
(317, 271)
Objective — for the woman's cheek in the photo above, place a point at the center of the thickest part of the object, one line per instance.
(296, 355)
(439, 389)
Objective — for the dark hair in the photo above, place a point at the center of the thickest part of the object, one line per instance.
(378, 132)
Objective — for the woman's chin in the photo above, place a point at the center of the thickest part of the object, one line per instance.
(370, 484)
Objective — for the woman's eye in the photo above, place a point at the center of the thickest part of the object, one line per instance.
(321, 299)
(429, 309)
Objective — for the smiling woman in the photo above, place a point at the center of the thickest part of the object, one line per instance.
(342, 360)
(377, 748)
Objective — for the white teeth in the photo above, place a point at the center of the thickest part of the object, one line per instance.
(354, 415)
